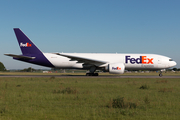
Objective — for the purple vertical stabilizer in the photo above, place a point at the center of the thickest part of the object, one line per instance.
(29, 49)
(26, 45)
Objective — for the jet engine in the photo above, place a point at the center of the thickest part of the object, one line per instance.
(115, 68)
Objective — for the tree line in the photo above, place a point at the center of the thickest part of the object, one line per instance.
(2, 67)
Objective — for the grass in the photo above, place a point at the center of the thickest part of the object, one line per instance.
(89, 98)
(122, 103)
(144, 87)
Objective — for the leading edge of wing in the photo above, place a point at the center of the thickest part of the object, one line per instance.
(82, 59)
(20, 56)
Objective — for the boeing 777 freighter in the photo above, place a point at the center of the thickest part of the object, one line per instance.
(112, 63)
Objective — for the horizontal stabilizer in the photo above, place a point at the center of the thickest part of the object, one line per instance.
(20, 56)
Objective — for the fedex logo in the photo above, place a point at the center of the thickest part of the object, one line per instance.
(116, 68)
(140, 60)
(25, 45)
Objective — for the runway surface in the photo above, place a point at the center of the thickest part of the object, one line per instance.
(101, 76)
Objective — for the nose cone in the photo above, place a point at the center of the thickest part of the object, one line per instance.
(173, 63)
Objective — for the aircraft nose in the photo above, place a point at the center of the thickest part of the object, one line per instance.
(174, 63)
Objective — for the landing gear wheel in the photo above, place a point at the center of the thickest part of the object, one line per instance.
(160, 75)
(92, 74)
(96, 74)
(87, 74)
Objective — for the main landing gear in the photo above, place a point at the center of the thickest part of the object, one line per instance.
(92, 74)
(92, 70)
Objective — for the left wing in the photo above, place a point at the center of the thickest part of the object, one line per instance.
(83, 60)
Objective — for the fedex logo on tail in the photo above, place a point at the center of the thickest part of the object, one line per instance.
(25, 45)
(116, 68)
(140, 60)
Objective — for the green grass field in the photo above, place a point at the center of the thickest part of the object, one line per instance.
(89, 98)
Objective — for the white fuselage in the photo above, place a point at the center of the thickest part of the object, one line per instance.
(131, 61)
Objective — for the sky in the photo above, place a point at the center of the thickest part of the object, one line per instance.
(91, 26)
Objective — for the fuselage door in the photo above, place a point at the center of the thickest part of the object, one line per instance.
(159, 60)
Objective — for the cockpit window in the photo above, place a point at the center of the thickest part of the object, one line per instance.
(170, 59)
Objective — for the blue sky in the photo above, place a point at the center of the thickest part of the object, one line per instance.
(92, 26)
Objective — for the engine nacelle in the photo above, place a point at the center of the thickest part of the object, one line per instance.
(116, 68)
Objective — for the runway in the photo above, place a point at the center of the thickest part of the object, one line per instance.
(101, 76)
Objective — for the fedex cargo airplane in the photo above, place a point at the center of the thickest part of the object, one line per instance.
(112, 63)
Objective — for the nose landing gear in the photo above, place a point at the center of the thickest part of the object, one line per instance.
(160, 74)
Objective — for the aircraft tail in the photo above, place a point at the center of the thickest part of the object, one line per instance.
(26, 45)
